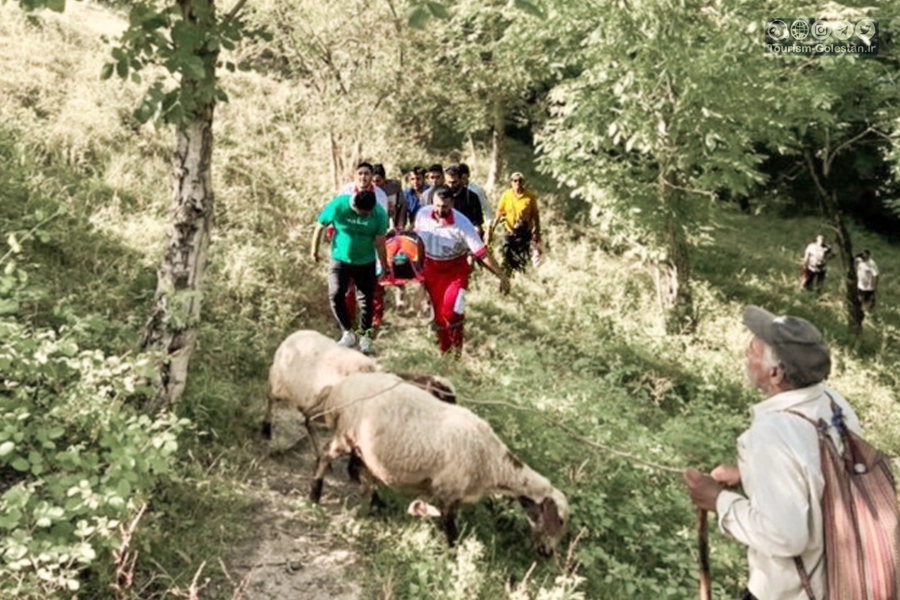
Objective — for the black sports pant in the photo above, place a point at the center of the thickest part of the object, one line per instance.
(340, 274)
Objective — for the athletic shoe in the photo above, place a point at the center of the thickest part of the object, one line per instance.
(348, 339)
(365, 343)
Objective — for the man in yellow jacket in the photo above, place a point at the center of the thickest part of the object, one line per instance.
(518, 211)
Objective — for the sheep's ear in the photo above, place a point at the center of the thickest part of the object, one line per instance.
(550, 513)
(532, 509)
(446, 393)
(420, 508)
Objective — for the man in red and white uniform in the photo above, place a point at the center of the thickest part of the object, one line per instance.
(447, 239)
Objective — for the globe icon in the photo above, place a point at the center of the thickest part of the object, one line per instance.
(800, 29)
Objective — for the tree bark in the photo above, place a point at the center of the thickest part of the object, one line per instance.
(175, 316)
(336, 167)
(171, 329)
(675, 269)
(853, 306)
(830, 206)
(498, 133)
(676, 277)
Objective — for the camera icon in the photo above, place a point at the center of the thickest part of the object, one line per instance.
(821, 29)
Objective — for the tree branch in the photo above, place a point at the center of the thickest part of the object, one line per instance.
(812, 171)
(850, 142)
(234, 11)
(667, 183)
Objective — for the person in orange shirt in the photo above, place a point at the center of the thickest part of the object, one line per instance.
(518, 211)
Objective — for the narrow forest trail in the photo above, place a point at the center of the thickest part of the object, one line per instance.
(296, 551)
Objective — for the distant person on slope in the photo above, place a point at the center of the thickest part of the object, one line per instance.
(814, 258)
(866, 280)
(359, 228)
(448, 238)
(434, 177)
(464, 200)
(518, 211)
(363, 180)
(412, 195)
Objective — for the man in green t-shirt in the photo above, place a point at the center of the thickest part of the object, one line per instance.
(359, 228)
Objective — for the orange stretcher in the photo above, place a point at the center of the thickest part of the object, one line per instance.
(402, 251)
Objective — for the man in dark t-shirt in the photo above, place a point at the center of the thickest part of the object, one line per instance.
(464, 200)
(359, 228)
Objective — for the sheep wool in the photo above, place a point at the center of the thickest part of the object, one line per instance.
(306, 363)
(413, 442)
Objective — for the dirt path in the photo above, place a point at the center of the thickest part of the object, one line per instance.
(297, 553)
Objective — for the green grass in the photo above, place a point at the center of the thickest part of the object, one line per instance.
(571, 367)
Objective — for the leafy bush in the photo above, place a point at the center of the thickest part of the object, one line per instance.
(75, 460)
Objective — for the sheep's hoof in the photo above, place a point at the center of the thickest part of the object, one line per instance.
(266, 430)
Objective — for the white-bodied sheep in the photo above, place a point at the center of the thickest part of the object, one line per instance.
(410, 441)
(307, 362)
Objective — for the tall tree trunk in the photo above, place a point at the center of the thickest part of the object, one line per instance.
(336, 167)
(498, 133)
(831, 207)
(175, 316)
(473, 156)
(171, 329)
(675, 270)
(853, 306)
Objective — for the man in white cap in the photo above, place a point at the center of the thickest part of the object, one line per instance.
(780, 517)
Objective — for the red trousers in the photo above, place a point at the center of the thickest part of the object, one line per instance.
(445, 281)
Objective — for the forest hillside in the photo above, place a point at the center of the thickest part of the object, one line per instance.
(578, 369)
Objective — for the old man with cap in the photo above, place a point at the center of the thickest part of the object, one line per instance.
(778, 516)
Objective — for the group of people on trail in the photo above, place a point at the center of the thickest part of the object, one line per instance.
(453, 225)
(812, 275)
(778, 499)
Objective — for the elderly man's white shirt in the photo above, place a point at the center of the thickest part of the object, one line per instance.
(778, 459)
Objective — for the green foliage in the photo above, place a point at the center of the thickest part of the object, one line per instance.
(421, 13)
(75, 461)
(419, 565)
(655, 110)
(573, 369)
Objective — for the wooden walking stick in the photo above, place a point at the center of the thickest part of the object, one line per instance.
(703, 551)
